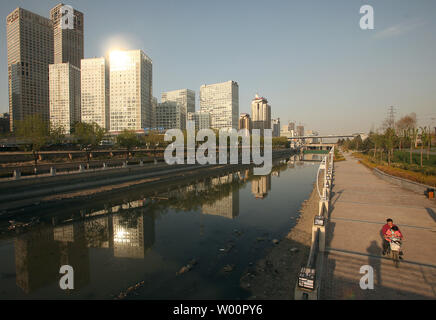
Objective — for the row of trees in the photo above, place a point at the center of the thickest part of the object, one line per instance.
(37, 134)
(404, 135)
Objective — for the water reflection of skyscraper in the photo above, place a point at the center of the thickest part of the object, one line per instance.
(74, 251)
(41, 252)
(133, 234)
(36, 259)
(227, 204)
(261, 186)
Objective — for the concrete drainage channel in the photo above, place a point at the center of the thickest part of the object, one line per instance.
(24, 192)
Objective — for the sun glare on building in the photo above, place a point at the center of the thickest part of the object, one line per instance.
(119, 60)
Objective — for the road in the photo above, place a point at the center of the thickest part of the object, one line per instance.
(361, 203)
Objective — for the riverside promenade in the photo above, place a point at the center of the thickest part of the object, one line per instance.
(360, 204)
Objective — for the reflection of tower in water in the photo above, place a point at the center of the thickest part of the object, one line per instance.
(133, 234)
(36, 259)
(41, 252)
(227, 204)
(261, 186)
(74, 251)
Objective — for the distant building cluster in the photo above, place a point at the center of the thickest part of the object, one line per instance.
(49, 76)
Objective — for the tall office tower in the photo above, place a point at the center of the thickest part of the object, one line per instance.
(64, 96)
(275, 126)
(221, 100)
(95, 91)
(260, 114)
(245, 122)
(67, 34)
(300, 131)
(201, 119)
(170, 115)
(291, 126)
(130, 90)
(184, 97)
(30, 51)
(153, 112)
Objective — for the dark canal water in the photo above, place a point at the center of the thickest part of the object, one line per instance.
(225, 223)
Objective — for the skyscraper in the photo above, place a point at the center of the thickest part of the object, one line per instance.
(221, 100)
(245, 122)
(184, 97)
(130, 90)
(153, 112)
(275, 126)
(260, 114)
(64, 96)
(170, 115)
(201, 119)
(300, 130)
(30, 51)
(95, 91)
(68, 41)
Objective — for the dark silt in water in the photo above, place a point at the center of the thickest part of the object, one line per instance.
(217, 226)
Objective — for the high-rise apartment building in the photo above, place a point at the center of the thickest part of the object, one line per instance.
(30, 51)
(130, 90)
(67, 34)
(300, 130)
(275, 126)
(221, 100)
(95, 91)
(170, 115)
(245, 122)
(64, 96)
(201, 119)
(153, 112)
(260, 114)
(184, 97)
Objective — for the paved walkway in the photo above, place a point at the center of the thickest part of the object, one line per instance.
(361, 203)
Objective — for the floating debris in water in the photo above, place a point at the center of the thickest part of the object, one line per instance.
(187, 268)
(129, 291)
(228, 267)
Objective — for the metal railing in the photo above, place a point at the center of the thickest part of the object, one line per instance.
(309, 278)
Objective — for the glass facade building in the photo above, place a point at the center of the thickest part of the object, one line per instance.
(130, 90)
(95, 91)
(221, 100)
(64, 96)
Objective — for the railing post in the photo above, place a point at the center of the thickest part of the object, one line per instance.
(52, 171)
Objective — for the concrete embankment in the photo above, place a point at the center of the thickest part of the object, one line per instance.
(16, 194)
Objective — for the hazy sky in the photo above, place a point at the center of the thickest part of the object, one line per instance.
(309, 58)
